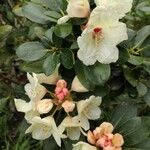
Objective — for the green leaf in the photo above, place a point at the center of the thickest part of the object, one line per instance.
(4, 31)
(136, 137)
(50, 144)
(144, 145)
(35, 13)
(147, 98)
(122, 113)
(98, 74)
(130, 76)
(50, 64)
(146, 121)
(49, 34)
(142, 35)
(130, 126)
(67, 58)
(135, 60)
(142, 89)
(80, 72)
(53, 14)
(31, 51)
(63, 30)
(35, 66)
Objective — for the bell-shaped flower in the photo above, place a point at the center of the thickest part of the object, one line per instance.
(100, 38)
(72, 126)
(83, 146)
(51, 79)
(42, 129)
(121, 7)
(89, 109)
(29, 108)
(34, 90)
(76, 8)
(102, 137)
(77, 86)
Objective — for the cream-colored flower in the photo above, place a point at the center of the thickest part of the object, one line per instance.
(42, 129)
(76, 8)
(34, 90)
(121, 7)
(44, 106)
(77, 86)
(29, 108)
(72, 126)
(89, 109)
(51, 79)
(83, 146)
(99, 40)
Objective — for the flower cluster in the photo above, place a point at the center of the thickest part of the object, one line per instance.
(44, 105)
(102, 137)
(103, 31)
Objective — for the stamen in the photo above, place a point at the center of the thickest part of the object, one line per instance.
(97, 35)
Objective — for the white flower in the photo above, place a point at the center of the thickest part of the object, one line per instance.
(44, 106)
(99, 40)
(34, 90)
(29, 108)
(42, 129)
(52, 79)
(89, 109)
(72, 126)
(83, 146)
(76, 8)
(77, 86)
(121, 7)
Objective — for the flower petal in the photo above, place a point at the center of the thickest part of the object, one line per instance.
(121, 7)
(22, 105)
(77, 86)
(73, 133)
(63, 19)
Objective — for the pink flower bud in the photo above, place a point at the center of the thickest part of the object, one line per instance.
(65, 91)
(61, 83)
(60, 96)
(58, 90)
(68, 106)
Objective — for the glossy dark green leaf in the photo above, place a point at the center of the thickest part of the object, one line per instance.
(50, 64)
(122, 113)
(98, 74)
(63, 30)
(31, 51)
(67, 58)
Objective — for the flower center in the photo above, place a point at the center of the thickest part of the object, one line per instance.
(97, 35)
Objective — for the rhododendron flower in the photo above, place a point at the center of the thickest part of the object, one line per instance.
(99, 40)
(29, 108)
(44, 106)
(89, 109)
(76, 8)
(43, 128)
(34, 90)
(51, 79)
(73, 127)
(102, 137)
(121, 7)
(77, 86)
(83, 146)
